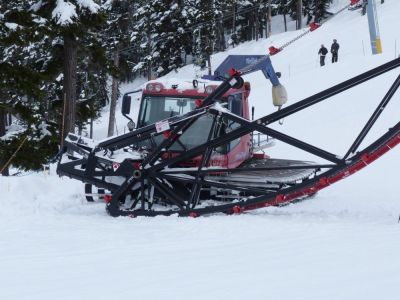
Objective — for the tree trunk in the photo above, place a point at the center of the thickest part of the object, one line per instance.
(3, 123)
(233, 24)
(284, 21)
(149, 75)
(70, 61)
(222, 45)
(318, 13)
(299, 14)
(209, 63)
(209, 51)
(91, 128)
(257, 25)
(114, 96)
(283, 10)
(269, 26)
(250, 28)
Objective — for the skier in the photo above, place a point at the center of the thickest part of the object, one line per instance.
(334, 51)
(322, 53)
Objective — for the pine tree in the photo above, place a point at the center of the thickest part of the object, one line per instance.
(26, 67)
(252, 19)
(34, 37)
(245, 19)
(206, 30)
(141, 37)
(173, 38)
(160, 36)
(72, 25)
(117, 36)
(292, 10)
(282, 9)
(320, 9)
(313, 10)
(219, 8)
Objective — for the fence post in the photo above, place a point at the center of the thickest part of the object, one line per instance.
(362, 41)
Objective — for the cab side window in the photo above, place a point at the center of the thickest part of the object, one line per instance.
(235, 104)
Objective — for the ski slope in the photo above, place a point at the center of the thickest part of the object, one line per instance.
(341, 244)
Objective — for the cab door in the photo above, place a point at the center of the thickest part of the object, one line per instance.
(238, 149)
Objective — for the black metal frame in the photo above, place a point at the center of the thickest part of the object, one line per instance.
(155, 174)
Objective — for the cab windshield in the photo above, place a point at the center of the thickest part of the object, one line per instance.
(157, 108)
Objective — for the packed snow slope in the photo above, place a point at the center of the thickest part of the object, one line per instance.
(342, 244)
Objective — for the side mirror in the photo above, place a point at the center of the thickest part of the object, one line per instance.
(131, 125)
(126, 105)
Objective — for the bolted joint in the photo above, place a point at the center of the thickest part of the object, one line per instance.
(137, 174)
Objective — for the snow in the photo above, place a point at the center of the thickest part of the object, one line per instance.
(36, 6)
(12, 130)
(43, 130)
(60, 77)
(65, 12)
(341, 244)
(90, 5)
(11, 26)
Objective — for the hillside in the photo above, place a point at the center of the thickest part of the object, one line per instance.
(341, 244)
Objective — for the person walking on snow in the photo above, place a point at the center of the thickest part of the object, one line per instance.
(322, 53)
(335, 51)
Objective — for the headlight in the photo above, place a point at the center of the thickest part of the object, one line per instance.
(150, 87)
(154, 87)
(157, 87)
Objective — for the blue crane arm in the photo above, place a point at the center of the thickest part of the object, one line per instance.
(246, 64)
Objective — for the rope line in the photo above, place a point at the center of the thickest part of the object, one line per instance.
(14, 154)
(309, 30)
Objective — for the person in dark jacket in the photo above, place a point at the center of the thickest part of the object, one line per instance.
(335, 51)
(322, 53)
